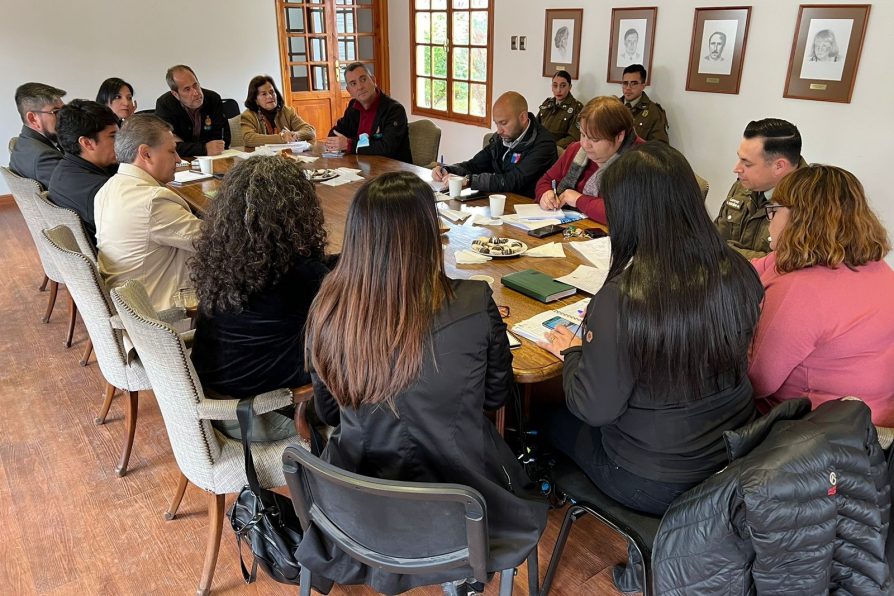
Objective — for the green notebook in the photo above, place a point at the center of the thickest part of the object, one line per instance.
(537, 285)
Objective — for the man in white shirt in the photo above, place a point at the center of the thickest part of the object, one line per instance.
(144, 230)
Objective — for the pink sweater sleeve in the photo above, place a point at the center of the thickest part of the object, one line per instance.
(556, 171)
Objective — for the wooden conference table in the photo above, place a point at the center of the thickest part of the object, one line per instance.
(530, 363)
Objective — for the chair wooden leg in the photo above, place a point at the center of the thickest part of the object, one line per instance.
(574, 512)
(506, 577)
(215, 528)
(43, 284)
(106, 404)
(130, 418)
(178, 496)
(51, 300)
(533, 573)
(500, 421)
(72, 318)
(88, 349)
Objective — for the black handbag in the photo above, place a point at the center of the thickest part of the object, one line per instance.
(264, 520)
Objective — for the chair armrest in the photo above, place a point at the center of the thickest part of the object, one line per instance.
(188, 337)
(172, 315)
(225, 409)
(116, 323)
(885, 436)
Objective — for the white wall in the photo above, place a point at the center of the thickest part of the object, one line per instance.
(706, 127)
(77, 45)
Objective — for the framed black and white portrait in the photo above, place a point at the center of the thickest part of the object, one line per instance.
(561, 41)
(631, 40)
(719, 36)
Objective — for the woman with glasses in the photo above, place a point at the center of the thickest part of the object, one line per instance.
(118, 95)
(405, 361)
(606, 133)
(827, 324)
(267, 120)
(259, 262)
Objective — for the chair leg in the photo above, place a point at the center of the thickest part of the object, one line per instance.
(130, 418)
(215, 528)
(51, 300)
(574, 512)
(106, 404)
(43, 284)
(88, 349)
(533, 573)
(506, 577)
(178, 496)
(72, 318)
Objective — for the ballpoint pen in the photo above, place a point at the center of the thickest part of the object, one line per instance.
(441, 164)
(555, 193)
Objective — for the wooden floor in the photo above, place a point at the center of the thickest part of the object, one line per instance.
(71, 526)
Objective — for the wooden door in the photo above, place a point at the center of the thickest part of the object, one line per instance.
(317, 40)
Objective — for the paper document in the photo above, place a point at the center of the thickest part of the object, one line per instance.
(551, 249)
(598, 251)
(534, 211)
(454, 215)
(528, 224)
(294, 147)
(586, 278)
(187, 176)
(534, 328)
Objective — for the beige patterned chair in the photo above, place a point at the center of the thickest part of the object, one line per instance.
(25, 192)
(425, 139)
(209, 460)
(104, 328)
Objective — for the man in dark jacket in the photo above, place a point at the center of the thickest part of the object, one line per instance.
(373, 123)
(514, 158)
(802, 508)
(35, 154)
(86, 131)
(196, 114)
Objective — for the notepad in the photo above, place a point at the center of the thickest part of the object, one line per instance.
(534, 328)
(533, 211)
(187, 176)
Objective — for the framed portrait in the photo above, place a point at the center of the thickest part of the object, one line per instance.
(826, 51)
(631, 40)
(717, 52)
(561, 41)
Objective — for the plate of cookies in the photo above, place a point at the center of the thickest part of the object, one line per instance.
(321, 175)
(495, 246)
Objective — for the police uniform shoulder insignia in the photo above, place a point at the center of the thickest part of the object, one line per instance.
(645, 113)
(571, 110)
(734, 203)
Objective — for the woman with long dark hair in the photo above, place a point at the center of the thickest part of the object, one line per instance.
(118, 95)
(267, 120)
(258, 266)
(405, 361)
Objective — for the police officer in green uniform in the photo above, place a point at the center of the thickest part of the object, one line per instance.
(770, 149)
(559, 113)
(648, 116)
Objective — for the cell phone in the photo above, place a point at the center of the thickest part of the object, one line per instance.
(546, 231)
(514, 342)
(558, 321)
(595, 233)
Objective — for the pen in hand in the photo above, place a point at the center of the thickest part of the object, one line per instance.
(554, 204)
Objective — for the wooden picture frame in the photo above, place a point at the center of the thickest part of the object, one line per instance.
(826, 51)
(717, 52)
(561, 41)
(625, 48)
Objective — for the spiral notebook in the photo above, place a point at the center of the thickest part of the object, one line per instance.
(534, 328)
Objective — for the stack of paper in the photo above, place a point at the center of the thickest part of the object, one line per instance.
(187, 176)
(294, 147)
(534, 328)
(453, 215)
(534, 211)
(528, 224)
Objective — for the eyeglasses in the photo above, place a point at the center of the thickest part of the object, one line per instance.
(504, 311)
(631, 83)
(772, 208)
(54, 111)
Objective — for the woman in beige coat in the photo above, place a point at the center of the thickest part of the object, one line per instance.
(267, 120)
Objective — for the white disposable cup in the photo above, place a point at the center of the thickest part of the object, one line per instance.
(497, 203)
(206, 165)
(455, 185)
(487, 278)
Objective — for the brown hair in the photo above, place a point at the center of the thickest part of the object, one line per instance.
(369, 324)
(830, 222)
(606, 117)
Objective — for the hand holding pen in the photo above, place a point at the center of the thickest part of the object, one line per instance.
(550, 199)
(439, 173)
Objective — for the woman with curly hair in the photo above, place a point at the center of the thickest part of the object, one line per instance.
(258, 266)
(827, 327)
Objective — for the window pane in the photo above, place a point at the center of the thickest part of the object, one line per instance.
(461, 28)
(299, 80)
(478, 100)
(439, 61)
(316, 20)
(439, 27)
(460, 3)
(320, 75)
(367, 48)
(423, 4)
(479, 3)
(479, 64)
(347, 48)
(423, 27)
(344, 20)
(423, 92)
(317, 49)
(297, 49)
(461, 63)
(295, 20)
(439, 94)
(423, 60)
(364, 20)
(479, 28)
(461, 98)
(439, 4)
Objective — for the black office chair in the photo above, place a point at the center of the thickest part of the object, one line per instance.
(638, 528)
(230, 108)
(152, 111)
(399, 527)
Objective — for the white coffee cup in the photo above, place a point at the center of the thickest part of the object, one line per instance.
(485, 278)
(497, 203)
(206, 165)
(455, 185)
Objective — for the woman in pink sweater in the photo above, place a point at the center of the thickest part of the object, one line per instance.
(827, 325)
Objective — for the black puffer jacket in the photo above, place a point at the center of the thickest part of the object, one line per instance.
(801, 509)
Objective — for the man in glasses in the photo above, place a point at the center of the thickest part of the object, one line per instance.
(648, 116)
(35, 154)
(770, 149)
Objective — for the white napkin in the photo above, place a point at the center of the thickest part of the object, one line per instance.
(469, 257)
(589, 279)
(552, 249)
(454, 215)
(305, 158)
(483, 220)
(439, 196)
